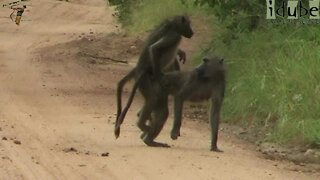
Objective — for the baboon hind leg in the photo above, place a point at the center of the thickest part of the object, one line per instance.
(149, 95)
(159, 118)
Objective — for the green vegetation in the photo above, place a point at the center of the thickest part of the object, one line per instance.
(275, 74)
(273, 71)
(142, 15)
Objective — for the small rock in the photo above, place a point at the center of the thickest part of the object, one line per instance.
(91, 32)
(4, 138)
(70, 150)
(309, 152)
(82, 165)
(243, 132)
(6, 158)
(105, 154)
(17, 142)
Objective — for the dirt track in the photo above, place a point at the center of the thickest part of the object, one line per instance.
(61, 110)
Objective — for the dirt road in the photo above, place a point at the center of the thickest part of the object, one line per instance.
(56, 113)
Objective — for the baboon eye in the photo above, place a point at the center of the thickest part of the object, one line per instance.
(221, 61)
(205, 60)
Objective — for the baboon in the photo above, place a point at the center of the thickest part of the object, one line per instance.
(157, 57)
(207, 81)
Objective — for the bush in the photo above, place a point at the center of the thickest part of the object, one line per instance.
(123, 9)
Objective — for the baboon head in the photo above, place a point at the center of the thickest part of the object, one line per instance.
(211, 67)
(182, 25)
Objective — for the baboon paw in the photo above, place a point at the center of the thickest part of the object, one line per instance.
(215, 149)
(175, 135)
(156, 144)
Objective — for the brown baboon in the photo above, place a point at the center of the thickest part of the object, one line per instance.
(207, 81)
(157, 56)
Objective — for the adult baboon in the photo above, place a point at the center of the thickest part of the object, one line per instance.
(157, 56)
(207, 81)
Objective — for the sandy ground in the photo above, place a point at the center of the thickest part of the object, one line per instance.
(56, 113)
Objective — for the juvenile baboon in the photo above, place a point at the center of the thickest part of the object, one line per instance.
(207, 81)
(157, 57)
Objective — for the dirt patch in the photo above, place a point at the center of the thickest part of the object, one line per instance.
(297, 155)
(67, 150)
(97, 49)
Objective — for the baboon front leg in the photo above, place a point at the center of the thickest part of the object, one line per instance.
(178, 105)
(216, 103)
(182, 56)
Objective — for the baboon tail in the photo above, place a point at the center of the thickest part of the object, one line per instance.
(121, 116)
(120, 86)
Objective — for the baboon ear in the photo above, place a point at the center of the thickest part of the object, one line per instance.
(221, 61)
(205, 60)
(183, 19)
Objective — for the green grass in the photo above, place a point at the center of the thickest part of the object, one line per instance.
(278, 74)
(273, 73)
(150, 13)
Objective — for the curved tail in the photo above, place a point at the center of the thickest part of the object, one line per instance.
(121, 114)
(120, 86)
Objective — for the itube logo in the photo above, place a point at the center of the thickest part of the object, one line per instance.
(293, 10)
